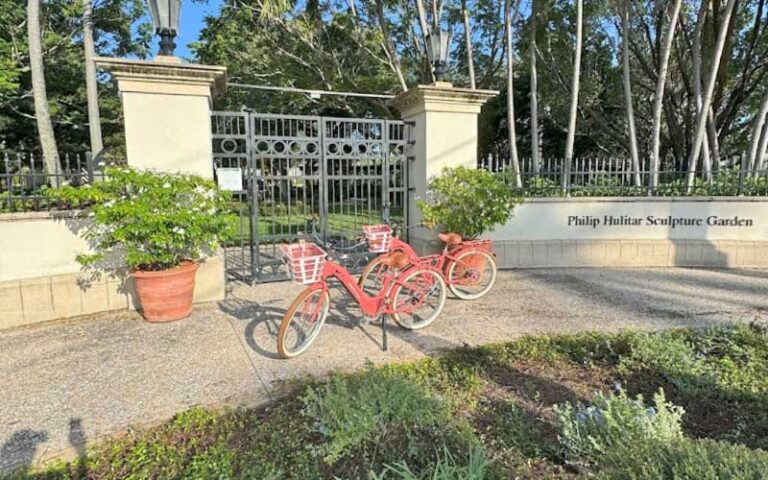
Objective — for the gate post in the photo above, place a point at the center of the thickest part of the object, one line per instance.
(167, 107)
(443, 134)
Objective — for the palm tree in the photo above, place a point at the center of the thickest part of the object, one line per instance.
(510, 94)
(701, 119)
(39, 92)
(535, 151)
(94, 120)
(633, 150)
(659, 95)
(575, 86)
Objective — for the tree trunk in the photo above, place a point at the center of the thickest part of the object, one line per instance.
(94, 119)
(468, 41)
(659, 95)
(575, 85)
(535, 150)
(511, 95)
(761, 151)
(42, 115)
(754, 156)
(696, 56)
(701, 119)
(633, 150)
(390, 48)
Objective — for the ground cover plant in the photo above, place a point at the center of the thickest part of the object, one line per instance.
(675, 404)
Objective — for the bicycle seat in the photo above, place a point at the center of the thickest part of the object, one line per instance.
(395, 260)
(450, 239)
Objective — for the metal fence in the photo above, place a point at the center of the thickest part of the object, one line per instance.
(293, 173)
(23, 176)
(616, 176)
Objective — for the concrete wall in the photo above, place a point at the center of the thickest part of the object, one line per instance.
(597, 232)
(40, 280)
(613, 232)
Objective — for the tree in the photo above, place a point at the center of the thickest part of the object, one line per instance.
(42, 115)
(575, 88)
(468, 40)
(701, 120)
(510, 95)
(659, 95)
(755, 155)
(535, 150)
(627, 75)
(94, 118)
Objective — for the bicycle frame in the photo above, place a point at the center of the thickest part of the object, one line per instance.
(439, 261)
(371, 306)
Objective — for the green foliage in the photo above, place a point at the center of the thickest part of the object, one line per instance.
(730, 359)
(468, 201)
(483, 412)
(445, 468)
(372, 409)
(153, 221)
(685, 459)
(588, 432)
(121, 29)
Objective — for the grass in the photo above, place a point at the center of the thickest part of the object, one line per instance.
(491, 412)
(275, 219)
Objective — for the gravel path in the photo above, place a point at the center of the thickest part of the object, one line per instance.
(67, 384)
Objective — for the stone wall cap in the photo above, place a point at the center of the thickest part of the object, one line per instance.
(167, 70)
(441, 93)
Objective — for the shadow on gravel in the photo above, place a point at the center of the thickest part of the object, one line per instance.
(18, 451)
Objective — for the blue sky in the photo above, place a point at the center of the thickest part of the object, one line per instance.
(191, 22)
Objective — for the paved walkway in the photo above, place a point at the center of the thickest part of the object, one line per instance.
(67, 384)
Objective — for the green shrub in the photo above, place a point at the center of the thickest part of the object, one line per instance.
(153, 221)
(685, 459)
(615, 421)
(732, 359)
(372, 409)
(468, 201)
(445, 468)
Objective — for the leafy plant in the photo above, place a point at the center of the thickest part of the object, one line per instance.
(153, 221)
(613, 421)
(371, 409)
(703, 459)
(445, 468)
(468, 201)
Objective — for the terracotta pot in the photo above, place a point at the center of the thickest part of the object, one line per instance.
(166, 295)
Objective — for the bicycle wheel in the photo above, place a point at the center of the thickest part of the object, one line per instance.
(302, 322)
(471, 275)
(370, 279)
(418, 299)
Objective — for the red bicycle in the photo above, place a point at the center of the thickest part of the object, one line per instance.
(412, 294)
(468, 266)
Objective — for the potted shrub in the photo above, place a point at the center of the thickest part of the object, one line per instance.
(467, 201)
(158, 226)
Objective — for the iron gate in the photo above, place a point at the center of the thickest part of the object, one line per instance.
(292, 175)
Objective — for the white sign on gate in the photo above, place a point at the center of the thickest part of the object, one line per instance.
(230, 179)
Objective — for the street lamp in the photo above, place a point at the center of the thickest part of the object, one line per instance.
(165, 19)
(437, 51)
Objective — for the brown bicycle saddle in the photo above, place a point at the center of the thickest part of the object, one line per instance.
(395, 260)
(450, 239)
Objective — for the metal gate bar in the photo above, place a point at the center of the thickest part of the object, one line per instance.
(338, 173)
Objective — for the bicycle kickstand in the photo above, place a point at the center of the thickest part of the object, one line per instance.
(384, 345)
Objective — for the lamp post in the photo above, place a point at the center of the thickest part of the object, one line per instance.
(437, 50)
(165, 19)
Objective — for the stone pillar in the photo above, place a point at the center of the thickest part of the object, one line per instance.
(444, 134)
(166, 107)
